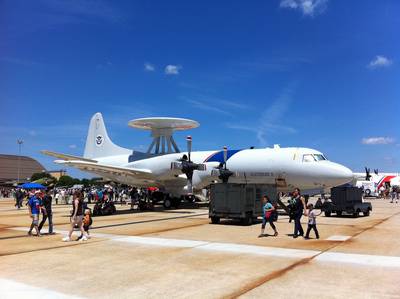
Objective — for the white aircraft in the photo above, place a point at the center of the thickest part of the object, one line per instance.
(181, 173)
(372, 182)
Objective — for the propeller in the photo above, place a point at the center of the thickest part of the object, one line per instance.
(223, 173)
(187, 166)
(367, 174)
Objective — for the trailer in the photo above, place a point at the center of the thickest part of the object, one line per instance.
(238, 201)
(346, 200)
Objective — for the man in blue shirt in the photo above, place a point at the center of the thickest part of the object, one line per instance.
(34, 210)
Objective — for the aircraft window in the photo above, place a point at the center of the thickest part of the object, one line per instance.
(308, 158)
(319, 157)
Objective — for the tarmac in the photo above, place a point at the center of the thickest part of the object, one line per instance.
(179, 254)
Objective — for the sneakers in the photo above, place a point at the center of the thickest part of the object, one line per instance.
(83, 238)
(66, 239)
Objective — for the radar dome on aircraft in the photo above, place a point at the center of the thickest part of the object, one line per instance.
(162, 129)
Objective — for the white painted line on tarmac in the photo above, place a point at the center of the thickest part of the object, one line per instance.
(360, 259)
(338, 238)
(12, 289)
(160, 241)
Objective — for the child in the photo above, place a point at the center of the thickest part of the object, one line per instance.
(312, 221)
(87, 222)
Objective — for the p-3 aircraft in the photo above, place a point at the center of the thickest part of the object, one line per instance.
(181, 173)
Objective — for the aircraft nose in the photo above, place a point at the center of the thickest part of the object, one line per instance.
(339, 174)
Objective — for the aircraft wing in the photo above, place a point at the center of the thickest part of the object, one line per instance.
(66, 157)
(140, 174)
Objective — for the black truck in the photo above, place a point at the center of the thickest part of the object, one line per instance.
(346, 200)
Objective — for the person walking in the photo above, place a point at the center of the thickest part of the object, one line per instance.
(34, 210)
(76, 217)
(312, 221)
(19, 197)
(47, 212)
(299, 206)
(268, 210)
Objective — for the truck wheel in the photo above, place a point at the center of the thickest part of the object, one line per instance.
(356, 214)
(339, 213)
(327, 213)
(366, 213)
(167, 202)
(248, 220)
(215, 220)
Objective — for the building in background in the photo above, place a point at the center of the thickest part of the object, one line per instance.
(12, 166)
(57, 173)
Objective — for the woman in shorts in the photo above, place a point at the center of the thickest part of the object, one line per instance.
(76, 217)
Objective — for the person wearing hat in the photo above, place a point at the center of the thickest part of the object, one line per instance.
(34, 210)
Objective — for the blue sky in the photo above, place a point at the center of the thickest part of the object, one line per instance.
(323, 74)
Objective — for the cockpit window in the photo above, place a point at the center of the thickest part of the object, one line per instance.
(308, 158)
(319, 157)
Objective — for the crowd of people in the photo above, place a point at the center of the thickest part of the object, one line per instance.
(390, 192)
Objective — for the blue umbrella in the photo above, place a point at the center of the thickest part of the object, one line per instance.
(32, 186)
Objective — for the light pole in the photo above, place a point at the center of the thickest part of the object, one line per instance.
(19, 142)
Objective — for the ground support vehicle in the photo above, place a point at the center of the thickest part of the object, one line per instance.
(346, 200)
(238, 201)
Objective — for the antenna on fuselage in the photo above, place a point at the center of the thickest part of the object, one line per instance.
(162, 129)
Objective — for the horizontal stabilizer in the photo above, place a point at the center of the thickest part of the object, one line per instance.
(66, 157)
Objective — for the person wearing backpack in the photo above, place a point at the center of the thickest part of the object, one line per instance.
(268, 211)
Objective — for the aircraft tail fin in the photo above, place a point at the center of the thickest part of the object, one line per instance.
(98, 144)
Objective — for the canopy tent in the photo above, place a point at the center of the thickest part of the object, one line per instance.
(32, 186)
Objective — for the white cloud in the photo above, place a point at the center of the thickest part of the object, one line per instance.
(148, 67)
(307, 7)
(72, 146)
(377, 140)
(171, 69)
(380, 61)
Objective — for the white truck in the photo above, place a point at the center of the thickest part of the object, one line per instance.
(370, 188)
